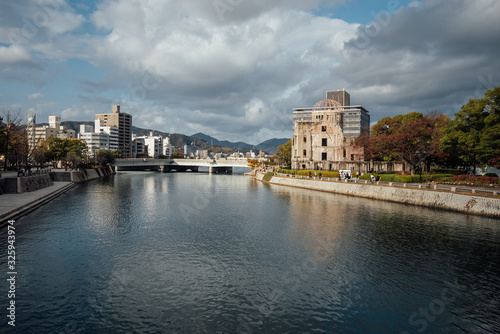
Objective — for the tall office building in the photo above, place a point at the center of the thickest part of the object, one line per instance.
(123, 122)
(341, 96)
(355, 119)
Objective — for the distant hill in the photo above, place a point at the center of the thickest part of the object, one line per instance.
(271, 145)
(268, 146)
(75, 125)
(225, 143)
(176, 139)
(199, 139)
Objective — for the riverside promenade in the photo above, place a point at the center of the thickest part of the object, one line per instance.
(13, 206)
(452, 198)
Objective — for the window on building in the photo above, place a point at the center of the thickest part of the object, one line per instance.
(324, 142)
(352, 157)
(305, 152)
(323, 128)
(324, 156)
(305, 139)
(345, 153)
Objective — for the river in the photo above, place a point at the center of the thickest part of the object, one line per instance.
(199, 253)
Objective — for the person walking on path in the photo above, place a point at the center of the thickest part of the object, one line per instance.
(372, 178)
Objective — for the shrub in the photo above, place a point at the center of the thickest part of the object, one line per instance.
(473, 180)
(490, 175)
(406, 178)
(83, 165)
(306, 172)
(450, 171)
(268, 176)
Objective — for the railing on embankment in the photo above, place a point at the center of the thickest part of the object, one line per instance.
(422, 194)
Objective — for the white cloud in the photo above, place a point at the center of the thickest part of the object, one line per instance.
(35, 96)
(14, 54)
(179, 66)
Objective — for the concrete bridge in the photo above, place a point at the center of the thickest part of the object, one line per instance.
(178, 165)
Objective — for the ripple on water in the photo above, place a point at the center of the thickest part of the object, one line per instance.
(128, 257)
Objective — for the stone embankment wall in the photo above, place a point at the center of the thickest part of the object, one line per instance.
(26, 183)
(485, 206)
(83, 175)
(12, 185)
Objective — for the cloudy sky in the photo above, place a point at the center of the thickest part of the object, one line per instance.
(235, 69)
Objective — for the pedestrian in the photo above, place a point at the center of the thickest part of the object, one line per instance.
(372, 178)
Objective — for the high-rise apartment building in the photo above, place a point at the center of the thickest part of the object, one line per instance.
(123, 122)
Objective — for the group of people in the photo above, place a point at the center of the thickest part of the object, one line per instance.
(374, 178)
(345, 175)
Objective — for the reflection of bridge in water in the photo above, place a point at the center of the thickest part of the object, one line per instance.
(178, 165)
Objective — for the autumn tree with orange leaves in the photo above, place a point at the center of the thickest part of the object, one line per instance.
(412, 138)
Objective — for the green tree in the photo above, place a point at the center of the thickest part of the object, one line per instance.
(65, 149)
(77, 148)
(284, 153)
(105, 157)
(473, 137)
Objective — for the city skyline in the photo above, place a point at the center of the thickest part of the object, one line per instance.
(235, 70)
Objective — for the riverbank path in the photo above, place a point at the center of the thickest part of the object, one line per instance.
(13, 206)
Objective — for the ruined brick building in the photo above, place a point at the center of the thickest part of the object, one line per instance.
(324, 136)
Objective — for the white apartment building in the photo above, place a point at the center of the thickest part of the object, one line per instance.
(151, 145)
(112, 132)
(168, 149)
(39, 134)
(154, 145)
(95, 140)
(138, 146)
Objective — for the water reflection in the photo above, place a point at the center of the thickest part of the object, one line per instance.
(199, 253)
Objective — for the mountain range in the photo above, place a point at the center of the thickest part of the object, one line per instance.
(199, 139)
(268, 146)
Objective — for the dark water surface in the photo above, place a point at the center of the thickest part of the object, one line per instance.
(199, 253)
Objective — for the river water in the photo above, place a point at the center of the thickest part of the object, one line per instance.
(199, 253)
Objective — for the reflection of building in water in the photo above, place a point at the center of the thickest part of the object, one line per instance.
(318, 216)
(324, 136)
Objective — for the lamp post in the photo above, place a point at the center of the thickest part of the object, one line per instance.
(420, 163)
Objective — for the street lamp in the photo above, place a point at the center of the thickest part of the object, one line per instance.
(420, 163)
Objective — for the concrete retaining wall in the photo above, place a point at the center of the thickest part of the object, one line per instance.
(90, 174)
(12, 185)
(60, 176)
(82, 176)
(435, 199)
(27, 183)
